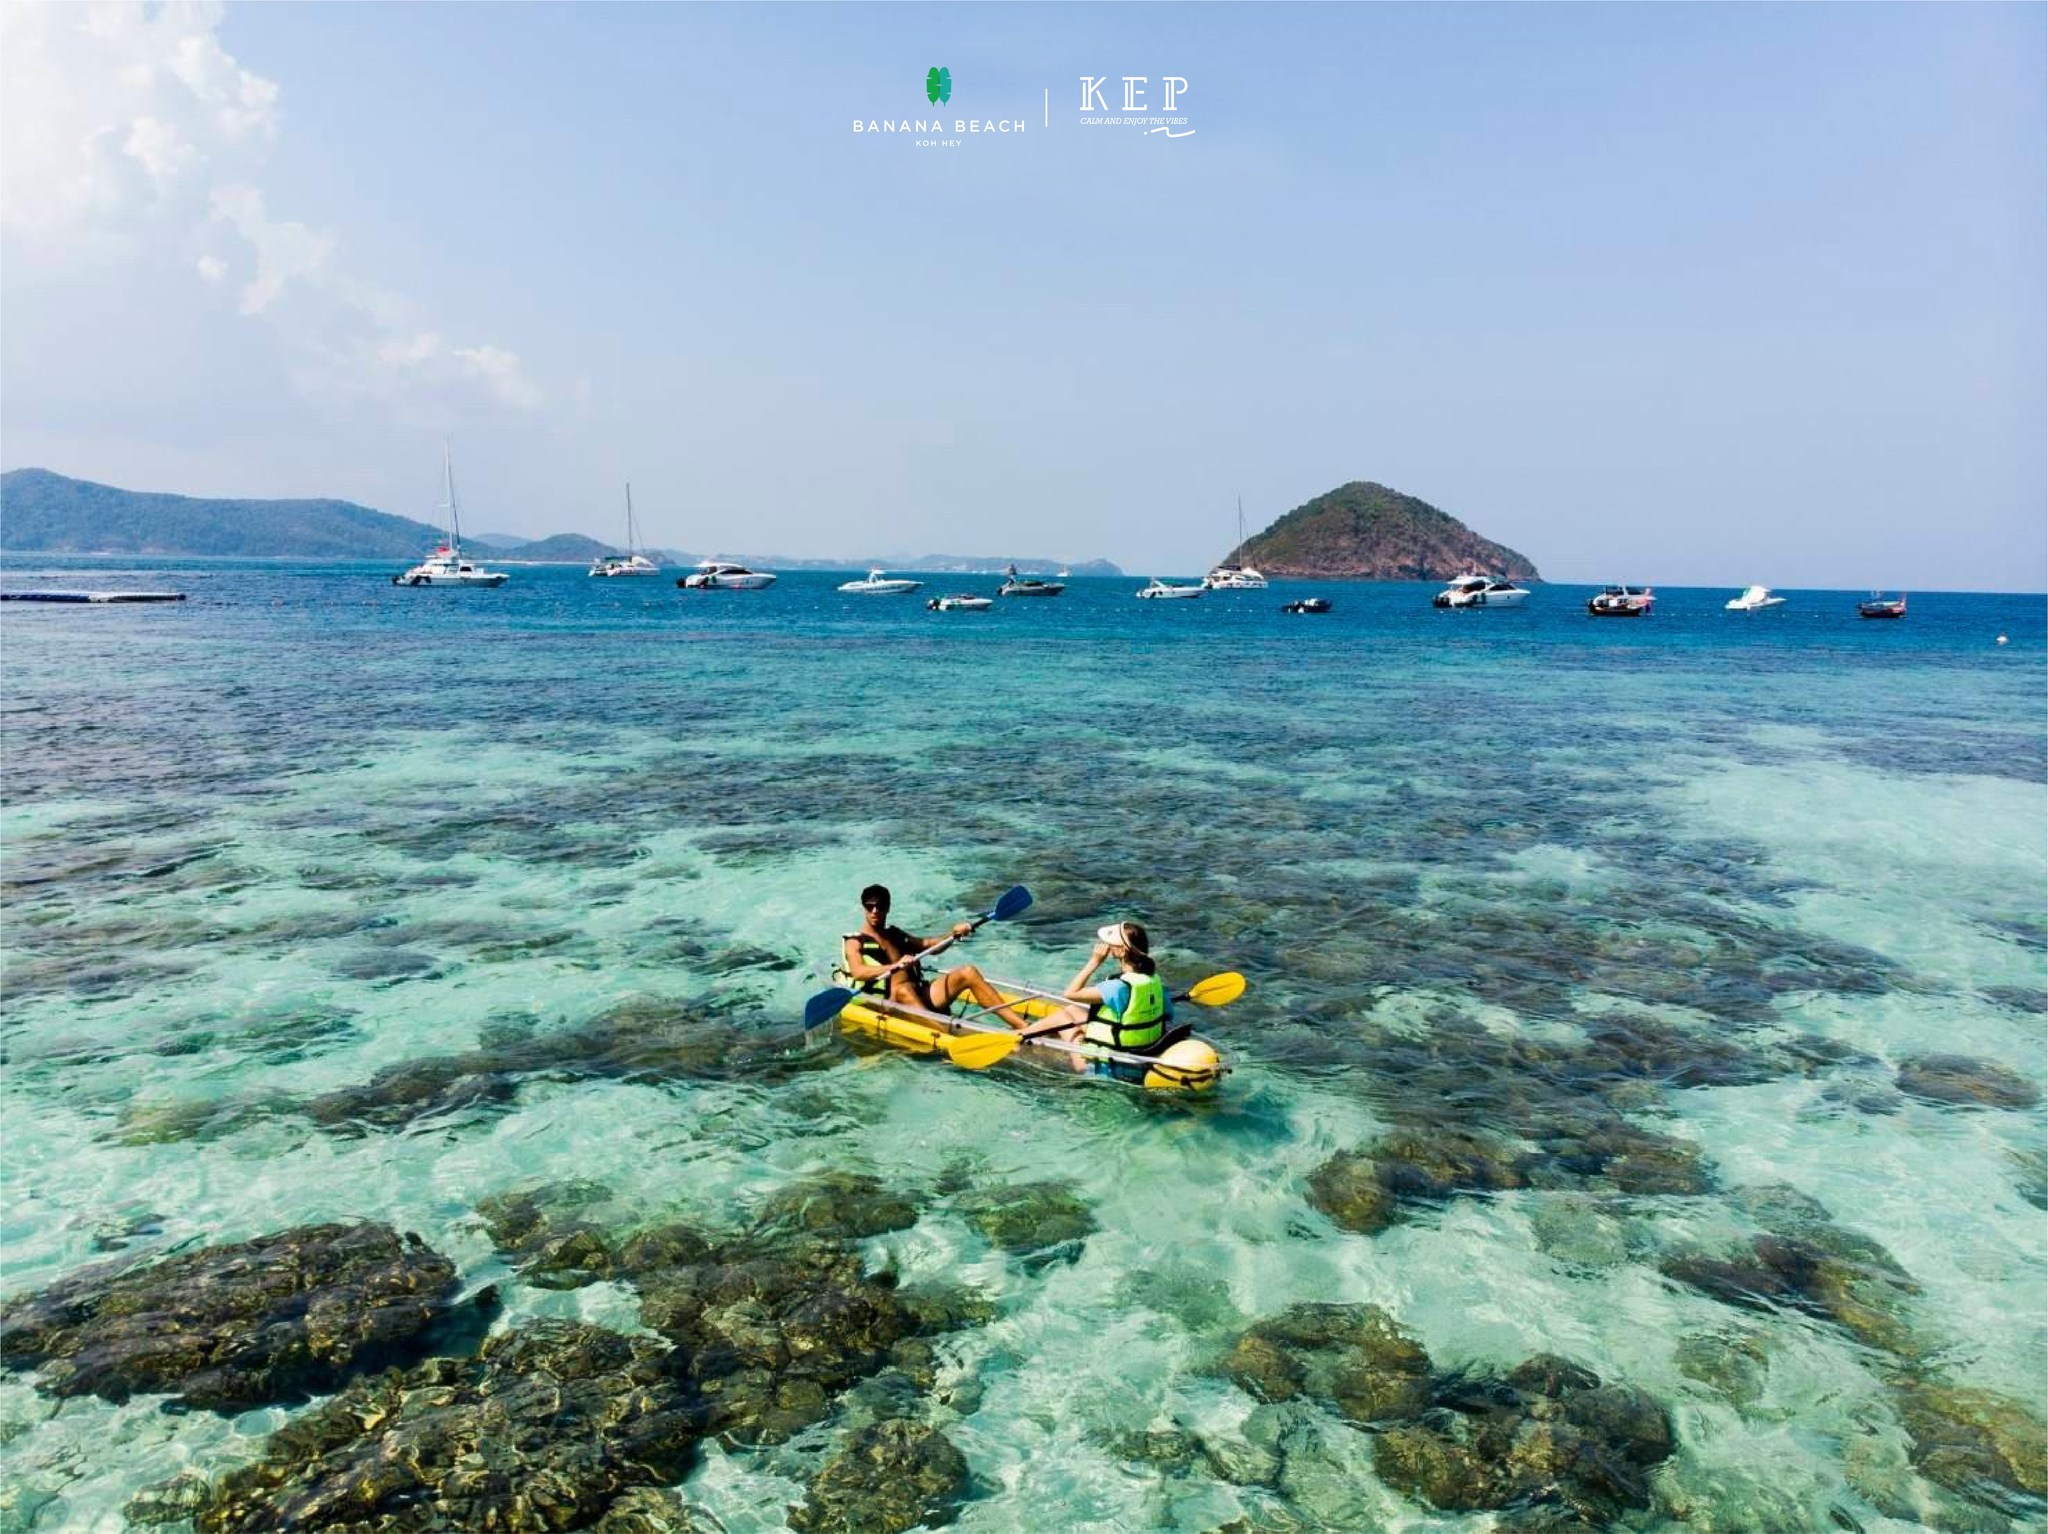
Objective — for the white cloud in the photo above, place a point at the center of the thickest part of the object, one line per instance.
(107, 109)
(285, 252)
(128, 127)
(500, 370)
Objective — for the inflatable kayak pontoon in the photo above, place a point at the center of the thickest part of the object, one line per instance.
(1186, 1063)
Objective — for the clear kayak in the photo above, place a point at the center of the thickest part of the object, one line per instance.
(1186, 1063)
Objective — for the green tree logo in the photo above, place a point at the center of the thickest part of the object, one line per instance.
(938, 85)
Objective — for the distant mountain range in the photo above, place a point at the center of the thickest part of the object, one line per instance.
(46, 513)
(1366, 532)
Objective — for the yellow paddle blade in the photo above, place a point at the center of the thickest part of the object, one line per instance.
(977, 1051)
(1217, 990)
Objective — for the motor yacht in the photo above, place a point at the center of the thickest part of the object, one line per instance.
(1158, 589)
(722, 575)
(446, 565)
(876, 584)
(1881, 606)
(1622, 602)
(1754, 599)
(632, 562)
(1015, 585)
(1480, 591)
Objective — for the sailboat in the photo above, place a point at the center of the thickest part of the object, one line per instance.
(632, 562)
(1234, 574)
(446, 566)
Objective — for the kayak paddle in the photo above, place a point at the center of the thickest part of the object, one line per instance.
(977, 1051)
(1216, 991)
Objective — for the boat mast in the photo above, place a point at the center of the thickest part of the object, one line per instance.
(454, 517)
(1237, 558)
(632, 540)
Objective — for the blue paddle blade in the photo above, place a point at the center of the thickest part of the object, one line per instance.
(825, 1006)
(1015, 899)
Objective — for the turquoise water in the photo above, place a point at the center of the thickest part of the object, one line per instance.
(306, 827)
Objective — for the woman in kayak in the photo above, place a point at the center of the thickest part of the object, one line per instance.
(1129, 1011)
(871, 951)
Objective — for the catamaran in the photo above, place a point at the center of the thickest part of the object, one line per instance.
(632, 562)
(1234, 574)
(446, 566)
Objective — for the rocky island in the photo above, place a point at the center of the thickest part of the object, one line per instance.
(1366, 532)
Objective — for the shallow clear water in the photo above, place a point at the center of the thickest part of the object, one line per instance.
(307, 826)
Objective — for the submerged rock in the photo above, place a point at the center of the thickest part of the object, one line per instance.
(545, 1429)
(1550, 1440)
(412, 1090)
(1959, 1081)
(177, 1500)
(1733, 1364)
(1977, 1442)
(1030, 1217)
(275, 1319)
(1366, 1191)
(552, 1246)
(888, 1477)
(844, 1206)
(644, 1510)
(1354, 1357)
(1824, 1272)
(772, 1337)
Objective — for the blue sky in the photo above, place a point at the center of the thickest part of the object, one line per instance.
(1692, 294)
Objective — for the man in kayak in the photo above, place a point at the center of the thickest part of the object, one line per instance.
(871, 951)
(1130, 1011)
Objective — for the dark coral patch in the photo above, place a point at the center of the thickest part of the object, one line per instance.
(230, 1327)
(545, 1429)
(1961, 1082)
(887, 1477)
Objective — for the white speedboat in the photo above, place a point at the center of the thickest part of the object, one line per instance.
(723, 575)
(1754, 599)
(1158, 589)
(876, 584)
(1234, 574)
(1480, 591)
(446, 566)
(962, 602)
(632, 562)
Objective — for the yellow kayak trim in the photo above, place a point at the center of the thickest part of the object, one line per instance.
(1179, 1068)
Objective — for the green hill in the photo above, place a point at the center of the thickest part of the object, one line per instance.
(1364, 531)
(564, 549)
(48, 513)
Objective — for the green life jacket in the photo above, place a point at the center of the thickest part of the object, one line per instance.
(1139, 1024)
